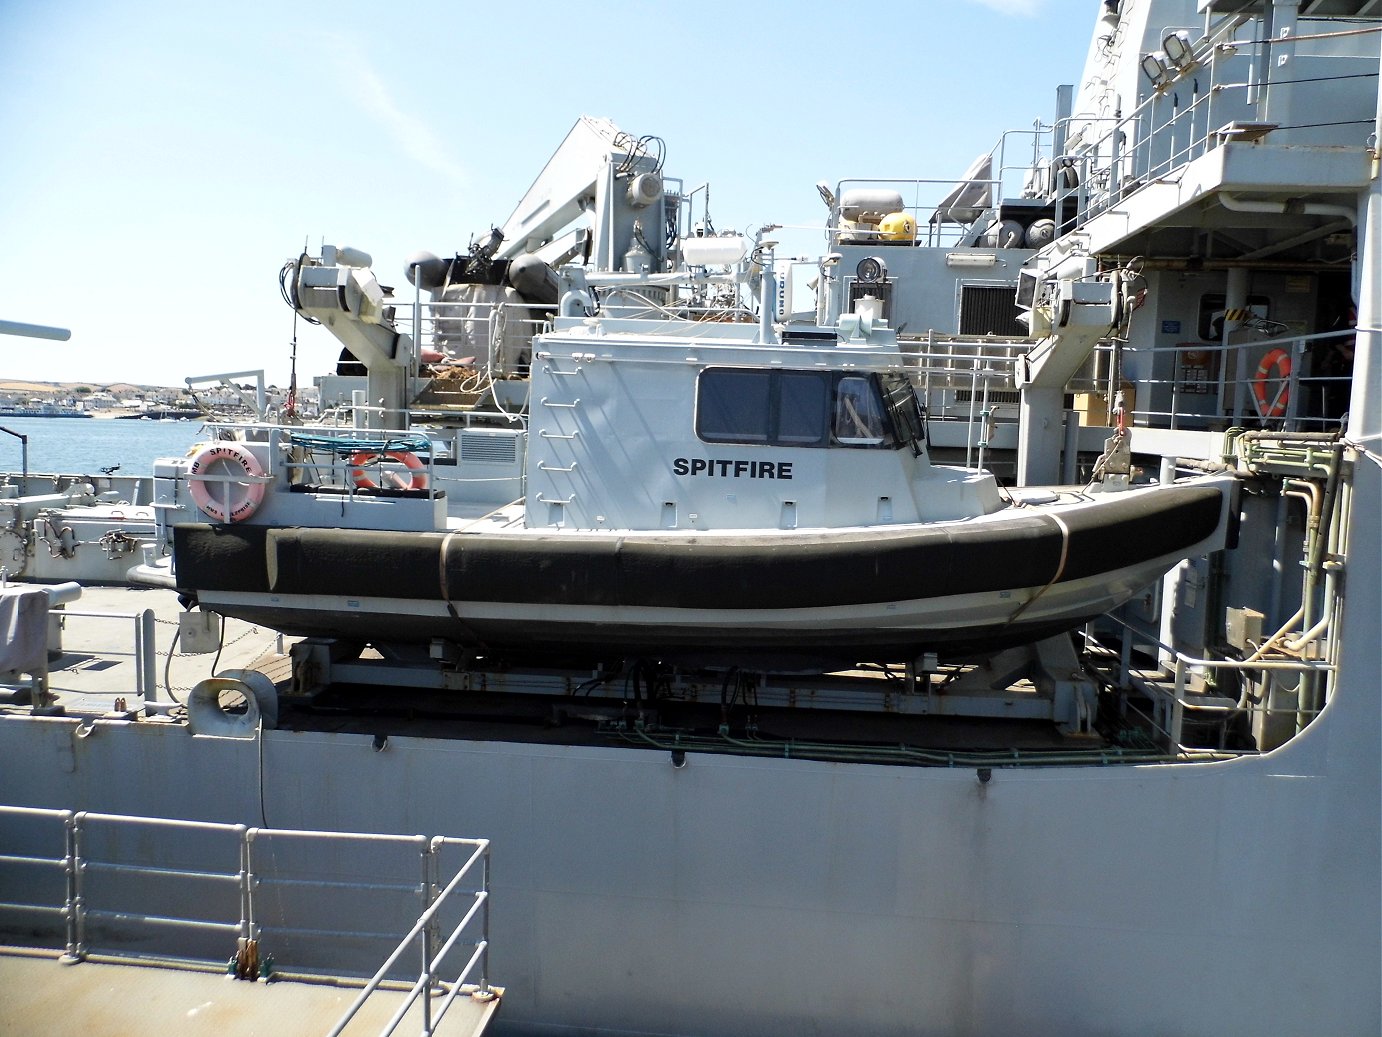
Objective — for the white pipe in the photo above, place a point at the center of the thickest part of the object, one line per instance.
(1348, 212)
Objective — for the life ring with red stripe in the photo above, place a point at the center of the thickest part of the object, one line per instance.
(215, 482)
(1274, 370)
(370, 458)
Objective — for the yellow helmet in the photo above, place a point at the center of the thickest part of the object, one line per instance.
(898, 226)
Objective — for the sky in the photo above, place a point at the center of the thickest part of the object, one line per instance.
(161, 159)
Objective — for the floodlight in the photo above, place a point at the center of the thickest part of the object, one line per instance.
(1155, 68)
(871, 270)
(1177, 47)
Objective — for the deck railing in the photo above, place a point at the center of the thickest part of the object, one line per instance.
(160, 890)
(1169, 685)
(1219, 100)
(1274, 383)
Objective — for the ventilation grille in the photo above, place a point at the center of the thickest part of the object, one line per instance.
(989, 310)
(486, 446)
(995, 396)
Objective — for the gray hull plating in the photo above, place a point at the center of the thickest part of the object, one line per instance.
(765, 896)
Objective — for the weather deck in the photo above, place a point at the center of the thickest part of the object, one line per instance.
(42, 995)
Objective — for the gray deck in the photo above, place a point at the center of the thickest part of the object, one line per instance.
(43, 996)
(97, 664)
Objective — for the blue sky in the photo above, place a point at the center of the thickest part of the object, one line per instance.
(162, 159)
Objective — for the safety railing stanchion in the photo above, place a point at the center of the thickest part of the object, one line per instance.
(147, 651)
(429, 893)
(69, 843)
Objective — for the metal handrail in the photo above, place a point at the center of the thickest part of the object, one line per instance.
(145, 645)
(66, 864)
(81, 903)
(422, 932)
(84, 863)
(1114, 166)
(1004, 173)
(1295, 410)
(1184, 664)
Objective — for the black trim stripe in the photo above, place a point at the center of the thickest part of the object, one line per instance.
(773, 571)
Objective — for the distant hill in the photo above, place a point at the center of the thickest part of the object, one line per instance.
(114, 388)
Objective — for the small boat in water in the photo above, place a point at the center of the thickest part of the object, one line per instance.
(43, 409)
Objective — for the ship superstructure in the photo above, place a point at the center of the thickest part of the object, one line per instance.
(1185, 286)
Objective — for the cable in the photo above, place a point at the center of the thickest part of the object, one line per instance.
(220, 646)
(1315, 36)
(1322, 79)
(1060, 571)
(289, 288)
(167, 665)
(1316, 125)
(259, 737)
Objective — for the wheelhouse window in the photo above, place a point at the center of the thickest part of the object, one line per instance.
(858, 412)
(803, 397)
(806, 409)
(735, 406)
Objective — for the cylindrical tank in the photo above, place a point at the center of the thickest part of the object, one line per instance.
(1041, 232)
(868, 204)
(898, 226)
(425, 270)
(1003, 234)
(534, 280)
(716, 250)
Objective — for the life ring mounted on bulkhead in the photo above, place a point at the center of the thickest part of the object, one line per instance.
(1274, 368)
(214, 482)
(364, 459)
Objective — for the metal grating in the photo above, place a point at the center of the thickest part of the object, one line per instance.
(990, 309)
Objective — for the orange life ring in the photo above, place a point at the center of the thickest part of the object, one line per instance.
(214, 481)
(1274, 406)
(406, 458)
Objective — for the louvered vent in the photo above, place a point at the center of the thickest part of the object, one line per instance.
(989, 309)
(995, 396)
(484, 446)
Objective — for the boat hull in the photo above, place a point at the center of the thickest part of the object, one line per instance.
(875, 594)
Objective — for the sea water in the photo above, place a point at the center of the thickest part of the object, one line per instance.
(84, 446)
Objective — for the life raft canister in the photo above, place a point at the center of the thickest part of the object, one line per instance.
(214, 482)
(1274, 405)
(406, 458)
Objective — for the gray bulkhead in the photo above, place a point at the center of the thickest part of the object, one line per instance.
(656, 473)
(934, 298)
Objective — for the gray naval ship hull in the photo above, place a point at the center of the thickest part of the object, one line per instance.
(759, 896)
